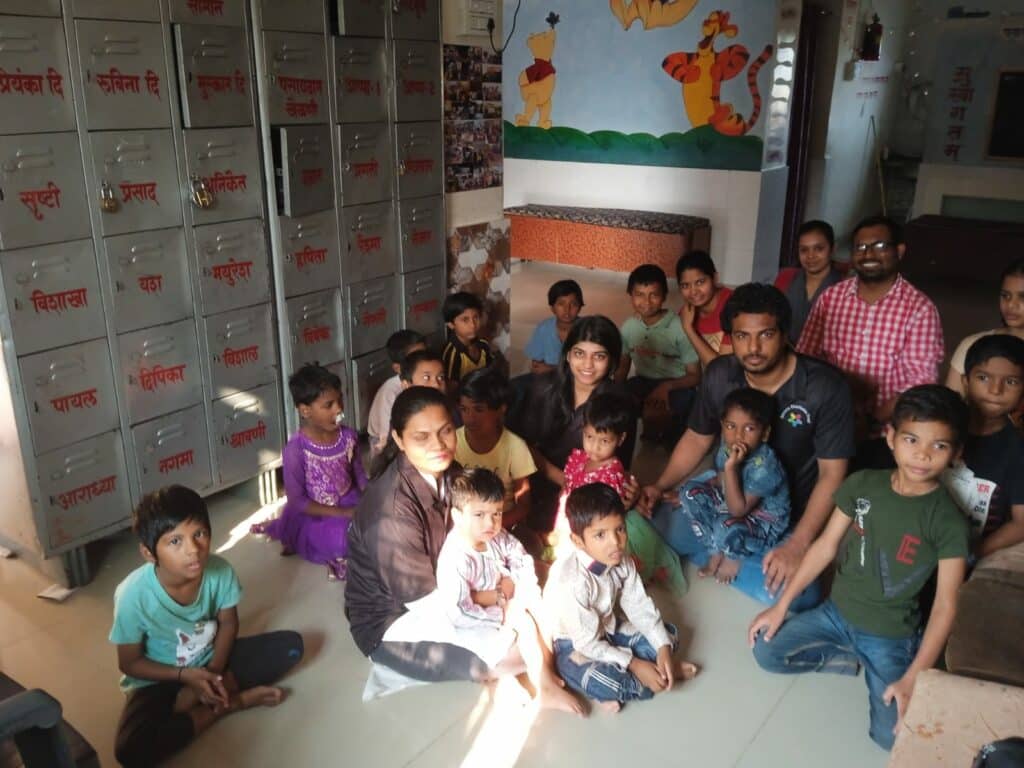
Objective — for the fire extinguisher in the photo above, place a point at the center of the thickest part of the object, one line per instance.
(872, 44)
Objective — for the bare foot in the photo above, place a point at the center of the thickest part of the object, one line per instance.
(609, 706)
(555, 696)
(727, 570)
(711, 569)
(260, 696)
(686, 670)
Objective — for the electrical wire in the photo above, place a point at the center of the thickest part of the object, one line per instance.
(490, 30)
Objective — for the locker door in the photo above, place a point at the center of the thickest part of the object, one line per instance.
(418, 148)
(138, 179)
(311, 261)
(35, 91)
(294, 16)
(369, 244)
(242, 351)
(371, 313)
(43, 190)
(219, 12)
(126, 83)
(297, 68)
(149, 271)
(135, 10)
(302, 161)
(173, 450)
(368, 373)
(232, 265)
(415, 19)
(160, 369)
(423, 294)
(421, 221)
(365, 18)
(360, 66)
(366, 164)
(84, 489)
(314, 322)
(53, 296)
(228, 162)
(247, 432)
(69, 393)
(213, 76)
(417, 81)
(31, 7)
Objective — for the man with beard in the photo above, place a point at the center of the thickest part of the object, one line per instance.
(812, 435)
(879, 330)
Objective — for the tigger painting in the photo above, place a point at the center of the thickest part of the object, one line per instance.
(703, 71)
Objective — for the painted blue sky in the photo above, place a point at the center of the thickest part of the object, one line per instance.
(611, 79)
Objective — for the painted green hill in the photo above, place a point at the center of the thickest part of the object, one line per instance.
(697, 148)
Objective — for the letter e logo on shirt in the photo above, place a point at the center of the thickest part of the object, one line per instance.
(907, 549)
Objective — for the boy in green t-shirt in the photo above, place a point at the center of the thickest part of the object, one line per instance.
(891, 529)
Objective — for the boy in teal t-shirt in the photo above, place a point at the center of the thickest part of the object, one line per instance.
(176, 627)
(891, 530)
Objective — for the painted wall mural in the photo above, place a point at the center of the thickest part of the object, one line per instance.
(639, 82)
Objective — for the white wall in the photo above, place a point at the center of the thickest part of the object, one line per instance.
(728, 198)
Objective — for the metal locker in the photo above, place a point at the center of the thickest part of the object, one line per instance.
(208, 12)
(311, 261)
(232, 265)
(368, 373)
(297, 70)
(419, 149)
(315, 328)
(126, 83)
(372, 313)
(423, 294)
(302, 163)
(365, 18)
(348, 414)
(84, 489)
(138, 178)
(242, 352)
(133, 10)
(415, 19)
(227, 162)
(69, 394)
(35, 90)
(247, 432)
(31, 7)
(213, 76)
(43, 190)
(149, 272)
(417, 81)
(360, 68)
(422, 235)
(173, 450)
(293, 16)
(159, 369)
(366, 165)
(369, 242)
(53, 296)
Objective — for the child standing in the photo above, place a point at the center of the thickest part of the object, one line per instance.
(176, 630)
(607, 659)
(400, 344)
(464, 351)
(741, 507)
(988, 484)
(667, 367)
(891, 530)
(323, 475)
(544, 349)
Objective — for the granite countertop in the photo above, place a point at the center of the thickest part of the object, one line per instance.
(649, 221)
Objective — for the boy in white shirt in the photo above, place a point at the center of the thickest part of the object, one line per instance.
(378, 424)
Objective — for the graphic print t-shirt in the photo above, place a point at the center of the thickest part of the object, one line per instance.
(891, 550)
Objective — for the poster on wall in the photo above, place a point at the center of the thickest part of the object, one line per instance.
(472, 118)
(639, 82)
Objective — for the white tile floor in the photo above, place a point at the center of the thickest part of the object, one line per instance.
(732, 715)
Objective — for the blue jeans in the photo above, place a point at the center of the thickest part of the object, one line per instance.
(821, 640)
(603, 681)
(677, 531)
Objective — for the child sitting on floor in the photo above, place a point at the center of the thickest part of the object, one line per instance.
(323, 475)
(176, 630)
(741, 507)
(400, 344)
(422, 368)
(607, 659)
(544, 349)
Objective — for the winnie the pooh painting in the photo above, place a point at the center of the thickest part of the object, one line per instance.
(537, 81)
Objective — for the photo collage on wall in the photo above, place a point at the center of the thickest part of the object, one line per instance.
(472, 118)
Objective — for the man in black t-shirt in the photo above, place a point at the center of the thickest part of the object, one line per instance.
(812, 435)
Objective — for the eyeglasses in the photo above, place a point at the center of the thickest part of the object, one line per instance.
(879, 246)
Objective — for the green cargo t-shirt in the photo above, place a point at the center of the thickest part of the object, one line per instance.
(891, 550)
(659, 351)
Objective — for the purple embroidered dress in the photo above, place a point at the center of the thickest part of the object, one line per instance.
(332, 475)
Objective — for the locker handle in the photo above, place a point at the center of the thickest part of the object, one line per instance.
(108, 200)
(200, 194)
(230, 242)
(15, 42)
(372, 296)
(309, 230)
(308, 146)
(28, 159)
(244, 407)
(312, 313)
(415, 60)
(43, 268)
(76, 462)
(169, 433)
(129, 47)
(143, 252)
(353, 56)
(292, 54)
(158, 346)
(60, 370)
(237, 328)
(215, 151)
(369, 221)
(415, 141)
(417, 215)
(211, 51)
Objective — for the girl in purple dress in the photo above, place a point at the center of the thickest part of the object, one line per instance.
(323, 475)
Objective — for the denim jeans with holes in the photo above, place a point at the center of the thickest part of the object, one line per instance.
(821, 640)
(604, 681)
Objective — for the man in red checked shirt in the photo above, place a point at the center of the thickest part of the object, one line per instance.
(881, 331)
